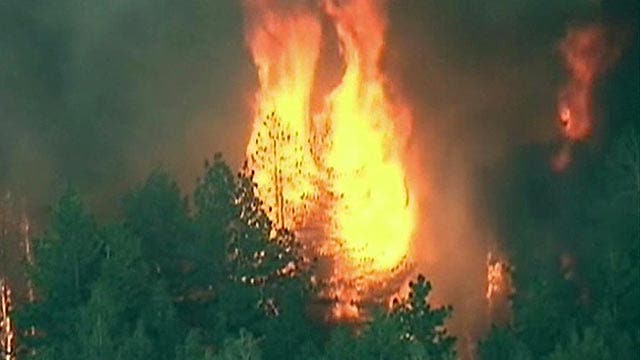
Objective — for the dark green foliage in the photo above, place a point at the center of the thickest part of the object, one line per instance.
(577, 275)
(502, 344)
(422, 324)
(215, 209)
(68, 259)
(128, 309)
(157, 214)
(590, 345)
(216, 282)
(242, 347)
(411, 330)
(267, 269)
(193, 348)
(544, 312)
(137, 346)
(214, 195)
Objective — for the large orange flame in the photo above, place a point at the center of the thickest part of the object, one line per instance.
(345, 162)
(284, 46)
(373, 215)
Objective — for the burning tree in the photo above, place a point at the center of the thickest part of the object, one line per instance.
(7, 330)
(280, 167)
(15, 253)
(337, 178)
(500, 288)
(261, 254)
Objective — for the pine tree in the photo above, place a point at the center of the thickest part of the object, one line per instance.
(284, 170)
(158, 215)
(423, 324)
(130, 313)
(215, 210)
(193, 348)
(410, 330)
(242, 347)
(269, 277)
(67, 263)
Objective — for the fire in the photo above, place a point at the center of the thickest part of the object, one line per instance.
(588, 53)
(340, 170)
(373, 214)
(7, 331)
(499, 284)
(285, 48)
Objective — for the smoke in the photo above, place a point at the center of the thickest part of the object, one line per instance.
(97, 94)
(482, 80)
(588, 52)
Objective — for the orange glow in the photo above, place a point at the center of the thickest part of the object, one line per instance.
(336, 177)
(587, 52)
(373, 216)
(562, 158)
(499, 285)
(285, 48)
(7, 331)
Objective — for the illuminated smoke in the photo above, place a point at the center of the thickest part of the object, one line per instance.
(588, 52)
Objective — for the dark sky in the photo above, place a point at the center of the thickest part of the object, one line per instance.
(98, 93)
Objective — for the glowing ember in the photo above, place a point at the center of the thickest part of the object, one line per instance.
(340, 171)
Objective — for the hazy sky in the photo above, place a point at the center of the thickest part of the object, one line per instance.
(98, 93)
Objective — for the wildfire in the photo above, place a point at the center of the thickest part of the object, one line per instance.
(7, 332)
(499, 284)
(373, 214)
(588, 52)
(25, 229)
(285, 48)
(339, 171)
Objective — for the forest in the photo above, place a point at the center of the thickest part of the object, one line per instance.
(200, 276)
(319, 180)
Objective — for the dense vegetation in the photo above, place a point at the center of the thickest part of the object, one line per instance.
(575, 242)
(198, 278)
(203, 277)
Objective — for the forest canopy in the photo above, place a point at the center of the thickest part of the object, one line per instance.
(200, 276)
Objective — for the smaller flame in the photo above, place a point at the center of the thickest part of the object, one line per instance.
(588, 53)
(7, 331)
(499, 284)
